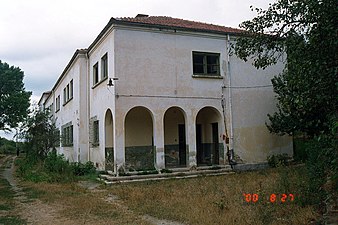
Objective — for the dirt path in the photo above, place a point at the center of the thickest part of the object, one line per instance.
(35, 211)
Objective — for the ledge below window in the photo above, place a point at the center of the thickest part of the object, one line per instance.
(67, 101)
(100, 82)
(207, 76)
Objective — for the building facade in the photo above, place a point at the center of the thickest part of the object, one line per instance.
(159, 92)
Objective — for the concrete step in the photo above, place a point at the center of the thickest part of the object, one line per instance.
(176, 174)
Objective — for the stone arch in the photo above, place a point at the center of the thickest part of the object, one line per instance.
(175, 147)
(139, 139)
(209, 147)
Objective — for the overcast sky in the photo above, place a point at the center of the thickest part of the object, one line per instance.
(40, 36)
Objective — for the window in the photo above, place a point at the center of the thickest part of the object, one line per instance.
(95, 73)
(57, 104)
(206, 63)
(67, 135)
(104, 66)
(64, 95)
(68, 92)
(96, 140)
(71, 89)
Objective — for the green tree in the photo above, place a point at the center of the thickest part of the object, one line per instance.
(14, 100)
(306, 32)
(40, 134)
(307, 88)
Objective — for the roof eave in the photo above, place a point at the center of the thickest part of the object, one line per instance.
(76, 53)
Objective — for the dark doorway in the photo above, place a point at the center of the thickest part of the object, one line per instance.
(182, 145)
(215, 147)
(199, 146)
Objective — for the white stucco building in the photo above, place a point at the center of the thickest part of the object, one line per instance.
(163, 108)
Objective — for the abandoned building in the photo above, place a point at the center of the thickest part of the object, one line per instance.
(159, 92)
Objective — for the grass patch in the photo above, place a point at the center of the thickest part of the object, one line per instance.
(5, 207)
(12, 220)
(32, 193)
(81, 206)
(220, 200)
(54, 168)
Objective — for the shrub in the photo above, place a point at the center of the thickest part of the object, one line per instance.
(7, 149)
(80, 169)
(322, 166)
(278, 160)
(55, 168)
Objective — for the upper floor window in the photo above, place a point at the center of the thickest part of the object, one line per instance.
(104, 66)
(206, 63)
(71, 89)
(57, 103)
(96, 73)
(68, 92)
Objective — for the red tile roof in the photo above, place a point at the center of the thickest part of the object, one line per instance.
(178, 23)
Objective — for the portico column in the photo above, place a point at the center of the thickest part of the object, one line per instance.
(191, 139)
(159, 140)
(119, 145)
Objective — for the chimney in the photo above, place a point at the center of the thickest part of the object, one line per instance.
(141, 15)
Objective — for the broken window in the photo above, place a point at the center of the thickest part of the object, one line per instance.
(206, 63)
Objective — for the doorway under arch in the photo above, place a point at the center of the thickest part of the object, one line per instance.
(109, 140)
(139, 143)
(175, 147)
(209, 147)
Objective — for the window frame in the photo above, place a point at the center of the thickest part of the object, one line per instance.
(96, 133)
(71, 90)
(67, 134)
(205, 64)
(96, 77)
(57, 104)
(104, 66)
(68, 92)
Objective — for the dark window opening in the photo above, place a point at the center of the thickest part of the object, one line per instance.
(206, 63)
(95, 73)
(104, 66)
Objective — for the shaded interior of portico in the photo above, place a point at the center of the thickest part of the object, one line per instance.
(175, 138)
(209, 149)
(139, 144)
(109, 141)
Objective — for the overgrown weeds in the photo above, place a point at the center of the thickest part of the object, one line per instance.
(54, 168)
(221, 199)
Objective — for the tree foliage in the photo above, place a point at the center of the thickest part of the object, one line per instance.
(40, 134)
(306, 30)
(14, 100)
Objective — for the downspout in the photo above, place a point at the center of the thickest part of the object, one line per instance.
(231, 138)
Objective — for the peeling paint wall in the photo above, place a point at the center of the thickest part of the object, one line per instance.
(252, 99)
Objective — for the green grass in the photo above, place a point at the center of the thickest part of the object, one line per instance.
(12, 220)
(6, 207)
